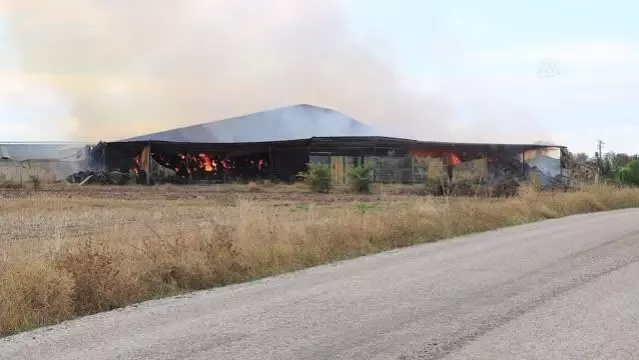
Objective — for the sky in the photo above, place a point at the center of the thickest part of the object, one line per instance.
(565, 72)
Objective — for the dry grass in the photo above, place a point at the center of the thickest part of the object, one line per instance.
(65, 256)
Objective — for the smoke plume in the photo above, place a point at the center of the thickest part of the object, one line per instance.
(132, 67)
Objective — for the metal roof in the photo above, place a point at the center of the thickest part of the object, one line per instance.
(21, 151)
(297, 122)
(281, 124)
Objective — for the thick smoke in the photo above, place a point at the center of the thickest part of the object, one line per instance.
(131, 67)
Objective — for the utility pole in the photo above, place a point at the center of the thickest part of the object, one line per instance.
(600, 144)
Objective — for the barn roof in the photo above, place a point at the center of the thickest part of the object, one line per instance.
(305, 126)
(281, 124)
(21, 151)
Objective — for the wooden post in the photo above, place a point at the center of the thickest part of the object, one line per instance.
(148, 165)
(411, 172)
(104, 156)
(343, 169)
(270, 161)
(375, 164)
(188, 168)
(487, 169)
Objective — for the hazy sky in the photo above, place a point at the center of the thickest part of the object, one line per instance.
(459, 69)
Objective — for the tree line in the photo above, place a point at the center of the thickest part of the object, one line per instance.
(620, 168)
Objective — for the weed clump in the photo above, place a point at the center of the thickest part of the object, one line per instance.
(318, 178)
(360, 179)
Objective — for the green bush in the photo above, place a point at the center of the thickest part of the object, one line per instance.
(318, 177)
(360, 179)
(629, 174)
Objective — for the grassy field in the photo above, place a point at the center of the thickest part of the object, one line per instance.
(74, 251)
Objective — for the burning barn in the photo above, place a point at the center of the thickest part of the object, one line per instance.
(279, 143)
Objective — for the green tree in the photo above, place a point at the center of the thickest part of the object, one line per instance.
(629, 174)
(611, 163)
(620, 160)
(580, 157)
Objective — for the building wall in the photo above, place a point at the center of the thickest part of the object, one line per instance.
(386, 169)
(46, 171)
(409, 169)
(471, 170)
(49, 162)
(287, 164)
(435, 168)
(340, 167)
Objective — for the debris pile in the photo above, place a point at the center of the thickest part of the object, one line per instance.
(98, 177)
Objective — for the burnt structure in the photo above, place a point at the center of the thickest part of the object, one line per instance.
(278, 144)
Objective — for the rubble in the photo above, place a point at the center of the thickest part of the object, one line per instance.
(98, 177)
(503, 177)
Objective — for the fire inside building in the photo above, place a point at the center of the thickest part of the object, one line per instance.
(278, 144)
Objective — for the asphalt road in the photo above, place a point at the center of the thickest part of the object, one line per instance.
(560, 289)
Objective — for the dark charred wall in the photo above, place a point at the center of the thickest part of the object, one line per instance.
(284, 160)
(118, 157)
(288, 163)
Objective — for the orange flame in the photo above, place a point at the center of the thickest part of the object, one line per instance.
(207, 164)
(454, 159)
(199, 162)
(137, 166)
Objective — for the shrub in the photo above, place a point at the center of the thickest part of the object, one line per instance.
(35, 180)
(629, 174)
(360, 179)
(318, 177)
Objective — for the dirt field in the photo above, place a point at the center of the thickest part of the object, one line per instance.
(74, 213)
(293, 192)
(70, 251)
(280, 193)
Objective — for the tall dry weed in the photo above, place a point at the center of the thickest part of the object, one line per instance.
(34, 294)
